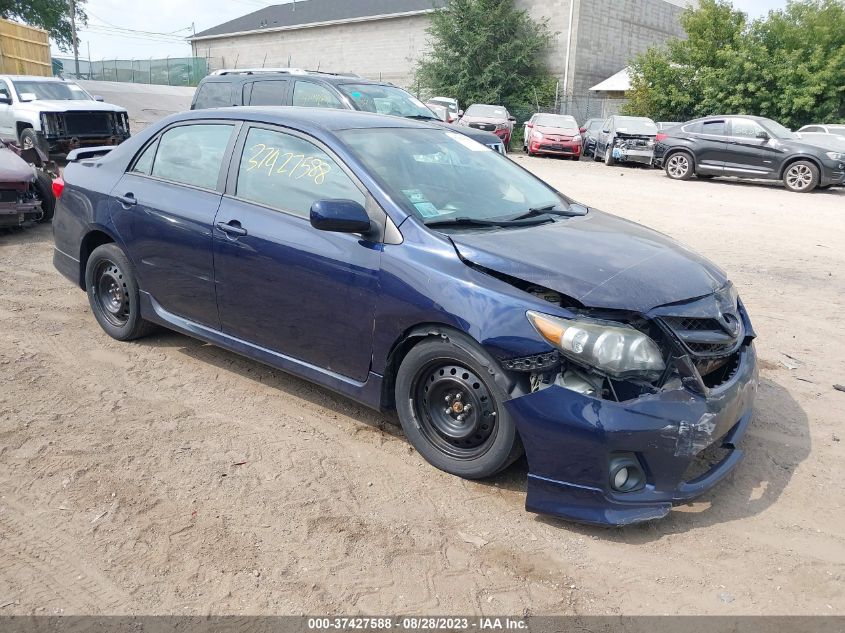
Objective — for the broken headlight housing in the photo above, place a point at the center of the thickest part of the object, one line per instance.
(613, 348)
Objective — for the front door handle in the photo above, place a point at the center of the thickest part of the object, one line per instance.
(232, 228)
(128, 200)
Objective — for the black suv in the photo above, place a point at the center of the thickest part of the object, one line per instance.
(747, 147)
(308, 88)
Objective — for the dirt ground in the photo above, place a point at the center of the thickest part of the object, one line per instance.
(169, 477)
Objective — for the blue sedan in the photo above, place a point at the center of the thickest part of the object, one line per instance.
(410, 268)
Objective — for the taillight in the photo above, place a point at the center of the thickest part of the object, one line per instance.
(58, 187)
(660, 136)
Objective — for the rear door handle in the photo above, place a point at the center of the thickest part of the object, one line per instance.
(127, 200)
(232, 228)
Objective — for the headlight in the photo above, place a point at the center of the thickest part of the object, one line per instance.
(537, 136)
(617, 349)
(835, 156)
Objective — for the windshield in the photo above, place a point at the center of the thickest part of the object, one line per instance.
(776, 130)
(556, 120)
(439, 175)
(446, 103)
(386, 100)
(635, 125)
(488, 111)
(51, 90)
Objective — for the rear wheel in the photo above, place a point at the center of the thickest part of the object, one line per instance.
(44, 186)
(679, 166)
(450, 401)
(113, 294)
(801, 176)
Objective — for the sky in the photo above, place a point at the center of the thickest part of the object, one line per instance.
(141, 29)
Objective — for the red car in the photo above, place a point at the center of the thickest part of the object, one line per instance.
(556, 134)
(490, 118)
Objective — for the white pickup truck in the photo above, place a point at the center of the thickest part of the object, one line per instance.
(56, 115)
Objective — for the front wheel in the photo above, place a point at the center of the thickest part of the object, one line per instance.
(113, 294)
(608, 157)
(451, 405)
(31, 139)
(801, 176)
(44, 186)
(679, 166)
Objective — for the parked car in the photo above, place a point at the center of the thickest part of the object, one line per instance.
(626, 139)
(834, 142)
(556, 134)
(589, 134)
(490, 118)
(748, 147)
(25, 191)
(314, 89)
(662, 126)
(836, 128)
(407, 267)
(440, 111)
(450, 104)
(57, 116)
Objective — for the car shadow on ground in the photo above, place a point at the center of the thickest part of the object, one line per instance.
(776, 443)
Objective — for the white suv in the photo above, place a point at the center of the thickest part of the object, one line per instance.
(57, 116)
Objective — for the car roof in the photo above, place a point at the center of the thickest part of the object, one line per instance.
(35, 78)
(330, 78)
(330, 119)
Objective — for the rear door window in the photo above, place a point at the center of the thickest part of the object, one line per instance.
(289, 173)
(192, 154)
(267, 93)
(213, 94)
(311, 95)
(713, 128)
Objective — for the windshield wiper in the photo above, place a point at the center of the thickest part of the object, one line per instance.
(549, 209)
(422, 117)
(458, 222)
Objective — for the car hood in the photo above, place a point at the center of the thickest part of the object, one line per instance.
(598, 259)
(14, 169)
(804, 146)
(68, 105)
(557, 131)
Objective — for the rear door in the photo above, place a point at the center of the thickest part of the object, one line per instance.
(164, 206)
(281, 284)
(7, 119)
(748, 154)
(711, 143)
(269, 92)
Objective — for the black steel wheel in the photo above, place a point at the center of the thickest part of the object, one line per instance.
(450, 396)
(113, 293)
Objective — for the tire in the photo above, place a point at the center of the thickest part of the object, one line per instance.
(30, 138)
(113, 294)
(596, 152)
(679, 166)
(462, 378)
(44, 186)
(608, 157)
(801, 176)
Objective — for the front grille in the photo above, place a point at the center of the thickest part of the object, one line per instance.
(7, 195)
(488, 127)
(707, 336)
(81, 123)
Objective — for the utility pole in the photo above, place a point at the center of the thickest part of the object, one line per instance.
(72, 6)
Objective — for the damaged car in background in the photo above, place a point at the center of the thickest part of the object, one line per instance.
(626, 139)
(25, 186)
(496, 315)
(57, 116)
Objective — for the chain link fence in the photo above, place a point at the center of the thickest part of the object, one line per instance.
(170, 71)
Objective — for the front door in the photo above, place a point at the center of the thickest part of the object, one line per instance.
(7, 119)
(281, 284)
(747, 152)
(164, 206)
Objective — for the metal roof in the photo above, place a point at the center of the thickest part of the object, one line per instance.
(620, 82)
(305, 13)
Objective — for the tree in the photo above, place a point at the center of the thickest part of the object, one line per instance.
(789, 65)
(487, 51)
(51, 15)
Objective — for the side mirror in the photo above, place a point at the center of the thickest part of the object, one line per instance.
(339, 216)
(763, 135)
(529, 125)
(5, 100)
(512, 119)
(28, 96)
(605, 131)
(460, 112)
(582, 129)
(97, 98)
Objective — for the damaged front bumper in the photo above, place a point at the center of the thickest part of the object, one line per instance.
(571, 439)
(624, 154)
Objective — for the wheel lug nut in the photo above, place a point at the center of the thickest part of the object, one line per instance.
(449, 398)
(467, 408)
(460, 418)
(458, 396)
(447, 410)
